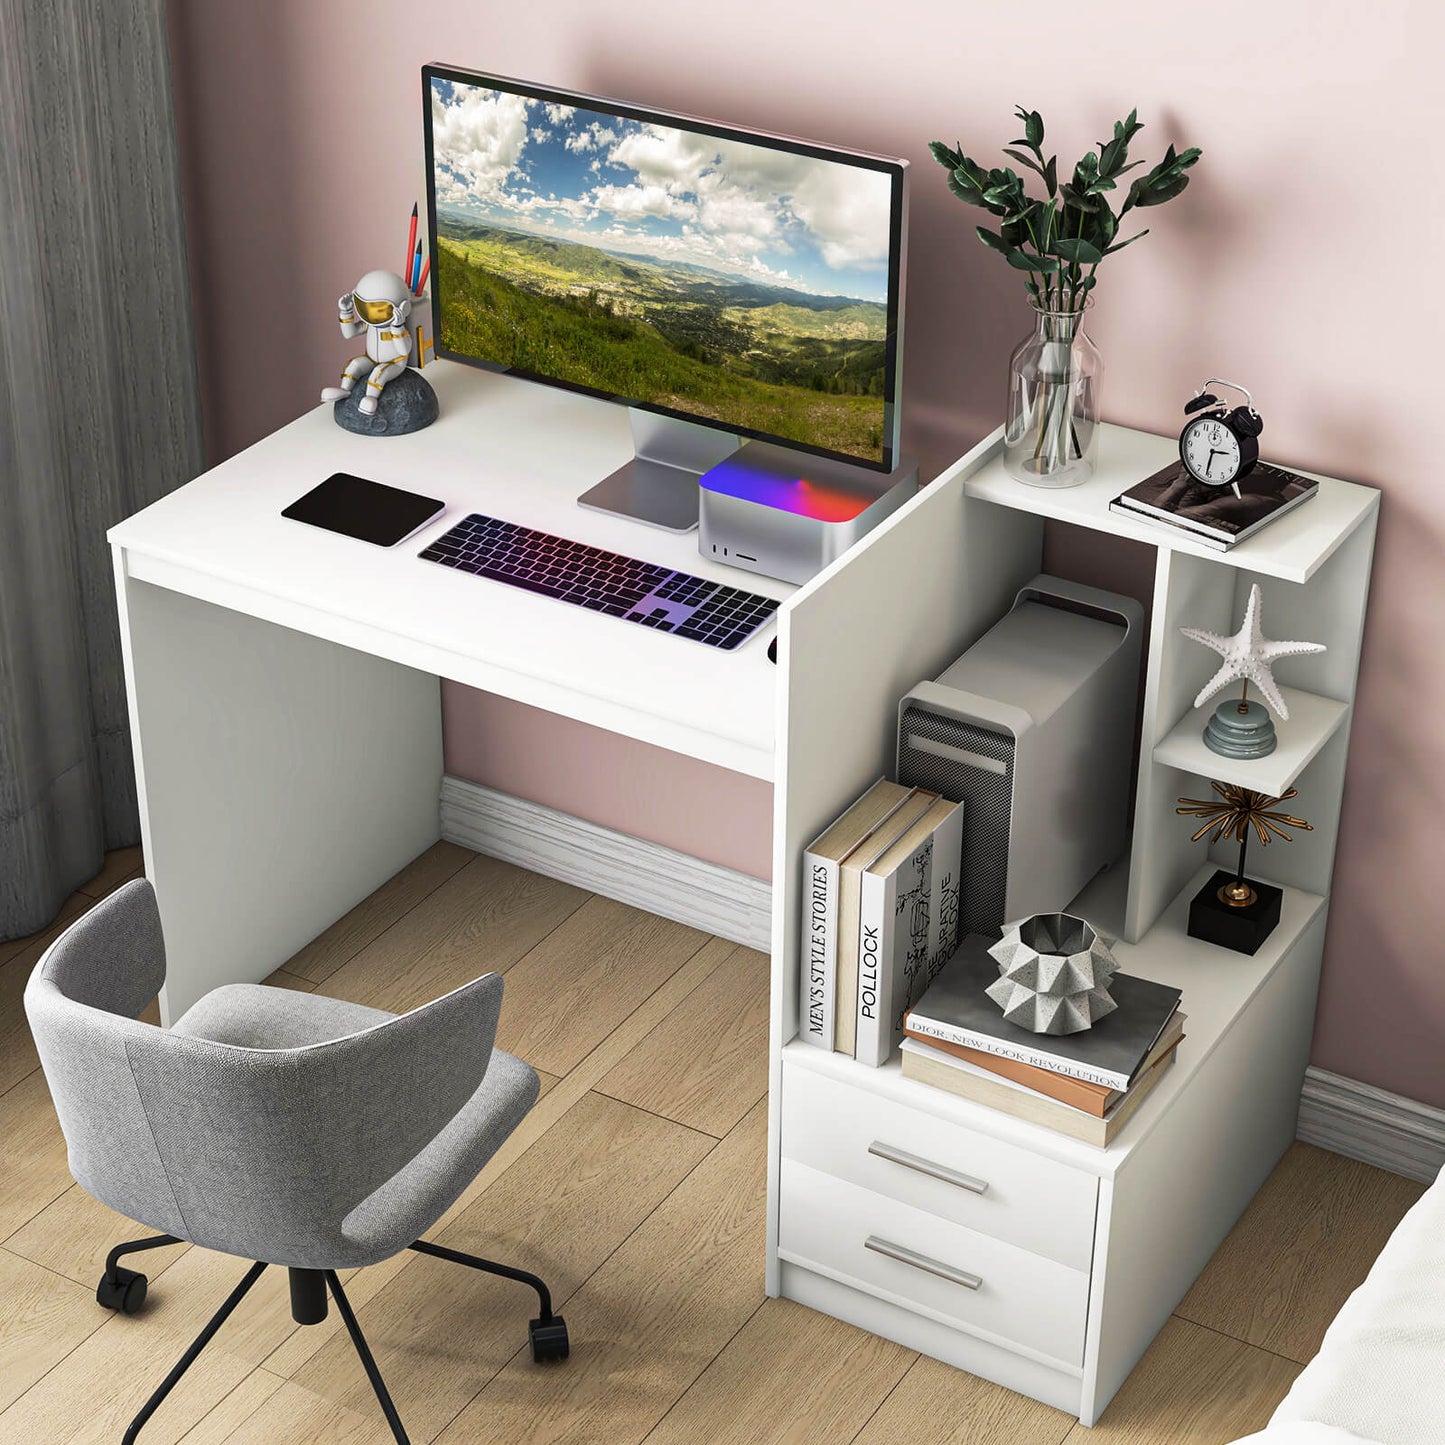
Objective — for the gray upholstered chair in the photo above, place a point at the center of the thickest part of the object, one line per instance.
(278, 1126)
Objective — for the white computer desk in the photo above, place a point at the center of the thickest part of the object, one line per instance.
(283, 681)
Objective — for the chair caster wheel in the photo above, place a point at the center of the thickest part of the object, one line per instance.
(126, 1292)
(549, 1339)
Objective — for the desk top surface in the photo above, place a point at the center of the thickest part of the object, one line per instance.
(504, 447)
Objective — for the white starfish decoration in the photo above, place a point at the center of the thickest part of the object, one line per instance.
(1249, 655)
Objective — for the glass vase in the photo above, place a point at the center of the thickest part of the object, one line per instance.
(1051, 435)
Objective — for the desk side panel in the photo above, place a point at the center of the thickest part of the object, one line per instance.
(282, 778)
(894, 610)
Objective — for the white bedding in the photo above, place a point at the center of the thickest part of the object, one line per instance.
(1304, 1432)
(1379, 1377)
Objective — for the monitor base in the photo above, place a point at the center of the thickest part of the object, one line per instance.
(659, 485)
(649, 492)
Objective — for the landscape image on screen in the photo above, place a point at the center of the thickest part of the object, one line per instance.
(708, 276)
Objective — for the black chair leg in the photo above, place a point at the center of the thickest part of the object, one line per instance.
(189, 1358)
(343, 1306)
(125, 1289)
(548, 1332)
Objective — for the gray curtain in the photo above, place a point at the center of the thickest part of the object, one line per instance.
(99, 414)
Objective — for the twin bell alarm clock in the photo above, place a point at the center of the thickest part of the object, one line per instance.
(1219, 443)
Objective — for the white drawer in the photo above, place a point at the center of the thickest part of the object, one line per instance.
(1038, 1204)
(926, 1264)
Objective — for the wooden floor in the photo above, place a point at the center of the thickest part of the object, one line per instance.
(636, 1187)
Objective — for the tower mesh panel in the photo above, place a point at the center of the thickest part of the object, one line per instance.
(986, 797)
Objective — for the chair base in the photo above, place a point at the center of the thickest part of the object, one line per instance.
(125, 1290)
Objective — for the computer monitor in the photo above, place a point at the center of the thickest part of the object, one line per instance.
(721, 283)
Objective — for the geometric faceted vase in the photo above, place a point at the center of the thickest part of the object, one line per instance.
(1054, 972)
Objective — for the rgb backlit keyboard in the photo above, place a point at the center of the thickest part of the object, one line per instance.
(641, 592)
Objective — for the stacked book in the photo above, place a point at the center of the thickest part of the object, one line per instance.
(1217, 517)
(880, 916)
(1086, 1085)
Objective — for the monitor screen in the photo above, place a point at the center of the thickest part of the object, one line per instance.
(727, 277)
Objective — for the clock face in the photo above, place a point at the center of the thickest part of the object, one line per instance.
(1211, 452)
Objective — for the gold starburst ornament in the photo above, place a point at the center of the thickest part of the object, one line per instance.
(1233, 814)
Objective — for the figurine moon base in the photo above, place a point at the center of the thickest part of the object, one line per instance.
(407, 403)
(1244, 928)
(1240, 730)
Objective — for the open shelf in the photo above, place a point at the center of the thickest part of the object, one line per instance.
(1292, 548)
(1215, 984)
(1313, 721)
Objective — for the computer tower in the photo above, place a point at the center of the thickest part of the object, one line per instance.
(1032, 730)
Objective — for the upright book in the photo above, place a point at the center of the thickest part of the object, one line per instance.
(893, 933)
(944, 894)
(818, 964)
(957, 1010)
(1216, 515)
(850, 888)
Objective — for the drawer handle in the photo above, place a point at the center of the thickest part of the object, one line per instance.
(927, 1166)
(922, 1261)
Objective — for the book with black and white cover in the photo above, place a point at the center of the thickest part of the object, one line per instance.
(957, 1009)
(1203, 538)
(850, 887)
(945, 893)
(1172, 496)
(893, 930)
(817, 969)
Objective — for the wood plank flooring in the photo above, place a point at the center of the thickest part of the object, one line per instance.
(635, 1187)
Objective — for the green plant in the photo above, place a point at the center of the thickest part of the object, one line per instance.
(1061, 239)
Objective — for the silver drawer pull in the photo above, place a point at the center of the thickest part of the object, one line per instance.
(927, 1166)
(922, 1261)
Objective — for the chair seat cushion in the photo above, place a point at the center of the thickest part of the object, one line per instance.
(409, 1203)
(254, 1016)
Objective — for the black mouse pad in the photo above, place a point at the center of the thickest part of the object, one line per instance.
(368, 511)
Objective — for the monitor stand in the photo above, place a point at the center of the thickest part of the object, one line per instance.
(659, 485)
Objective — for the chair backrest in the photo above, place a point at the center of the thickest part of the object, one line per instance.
(258, 1152)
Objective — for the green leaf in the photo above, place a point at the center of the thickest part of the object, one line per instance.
(1051, 175)
(1129, 242)
(993, 240)
(1023, 261)
(1164, 190)
(1025, 160)
(1076, 251)
(967, 185)
(1033, 127)
(945, 157)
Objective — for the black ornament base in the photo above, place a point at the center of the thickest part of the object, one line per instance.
(1242, 929)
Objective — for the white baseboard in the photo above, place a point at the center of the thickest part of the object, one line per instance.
(1372, 1125)
(647, 875)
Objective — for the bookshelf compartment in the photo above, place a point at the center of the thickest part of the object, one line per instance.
(903, 603)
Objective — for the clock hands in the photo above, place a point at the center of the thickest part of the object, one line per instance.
(1209, 466)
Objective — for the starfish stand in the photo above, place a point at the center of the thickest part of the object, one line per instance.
(1241, 729)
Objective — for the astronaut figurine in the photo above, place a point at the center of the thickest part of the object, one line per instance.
(379, 306)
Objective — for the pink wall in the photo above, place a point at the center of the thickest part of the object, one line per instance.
(1297, 262)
